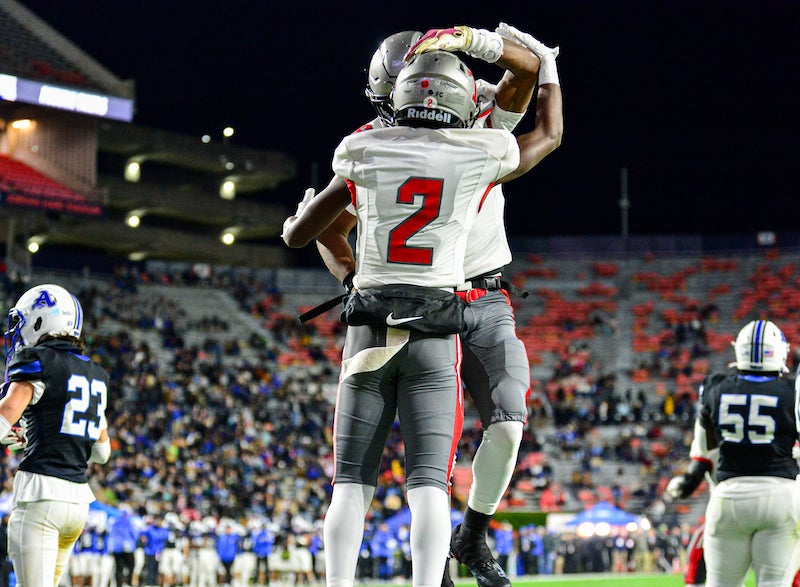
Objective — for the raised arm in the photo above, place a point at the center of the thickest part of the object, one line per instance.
(549, 126)
(546, 134)
(515, 89)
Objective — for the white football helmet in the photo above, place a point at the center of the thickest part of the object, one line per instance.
(435, 90)
(44, 309)
(386, 63)
(761, 346)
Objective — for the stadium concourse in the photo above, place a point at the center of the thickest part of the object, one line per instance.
(221, 403)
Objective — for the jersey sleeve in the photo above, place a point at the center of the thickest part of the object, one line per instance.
(510, 160)
(504, 119)
(25, 365)
(343, 161)
(700, 446)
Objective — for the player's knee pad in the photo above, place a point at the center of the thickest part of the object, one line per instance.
(504, 436)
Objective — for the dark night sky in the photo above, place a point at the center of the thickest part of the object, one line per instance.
(696, 97)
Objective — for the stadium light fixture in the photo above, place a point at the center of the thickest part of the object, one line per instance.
(206, 139)
(35, 243)
(22, 124)
(227, 238)
(227, 190)
(133, 171)
(227, 132)
(134, 218)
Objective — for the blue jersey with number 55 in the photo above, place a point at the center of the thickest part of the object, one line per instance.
(62, 424)
(754, 418)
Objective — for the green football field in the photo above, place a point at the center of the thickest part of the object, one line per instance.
(598, 580)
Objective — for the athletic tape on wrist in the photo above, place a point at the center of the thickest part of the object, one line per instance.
(485, 45)
(548, 72)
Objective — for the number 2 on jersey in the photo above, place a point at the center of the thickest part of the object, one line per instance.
(81, 414)
(399, 249)
(760, 427)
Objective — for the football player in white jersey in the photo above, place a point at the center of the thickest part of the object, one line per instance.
(60, 396)
(417, 188)
(495, 366)
(753, 512)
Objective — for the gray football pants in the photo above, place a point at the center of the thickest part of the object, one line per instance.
(495, 366)
(388, 372)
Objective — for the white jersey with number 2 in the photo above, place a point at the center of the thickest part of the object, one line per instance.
(417, 192)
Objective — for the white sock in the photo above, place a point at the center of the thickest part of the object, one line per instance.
(430, 534)
(494, 465)
(343, 531)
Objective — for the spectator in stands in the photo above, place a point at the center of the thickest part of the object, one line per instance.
(154, 539)
(123, 535)
(263, 541)
(227, 548)
(549, 544)
(504, 544)
(383, 546)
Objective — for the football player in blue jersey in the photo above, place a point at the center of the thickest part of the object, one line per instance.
(59, 396)
(752, 417)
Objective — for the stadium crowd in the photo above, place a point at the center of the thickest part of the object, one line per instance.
(209, 441)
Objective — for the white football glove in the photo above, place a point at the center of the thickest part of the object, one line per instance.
(307, 197)
(15, 439)
(796, 452)
(527, 40)
(675, 487)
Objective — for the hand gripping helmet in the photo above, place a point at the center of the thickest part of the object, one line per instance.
(435, 90)
(386, 63)
(44, 309)
(761, 346)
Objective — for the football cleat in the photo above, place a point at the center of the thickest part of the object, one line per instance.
(447, 581)
(472, 551)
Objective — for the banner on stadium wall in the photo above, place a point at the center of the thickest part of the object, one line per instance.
(52, 204)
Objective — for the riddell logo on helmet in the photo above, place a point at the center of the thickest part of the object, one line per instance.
(429, 114)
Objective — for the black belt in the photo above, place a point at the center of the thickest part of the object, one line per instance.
(321, 309)
(492, 283)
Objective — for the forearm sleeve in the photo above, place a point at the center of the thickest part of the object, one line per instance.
(695, 474)
(101, 451)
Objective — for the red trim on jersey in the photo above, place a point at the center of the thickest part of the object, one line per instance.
(483, 197)
(695, 567)
(471, 294)
(362, 128)
(796, 582)
(458, 419)
(477, 293)
(708, 462)
(352, 187)
(335, 420)
(485, 113)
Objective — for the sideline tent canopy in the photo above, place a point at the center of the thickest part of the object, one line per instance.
(604, 512)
